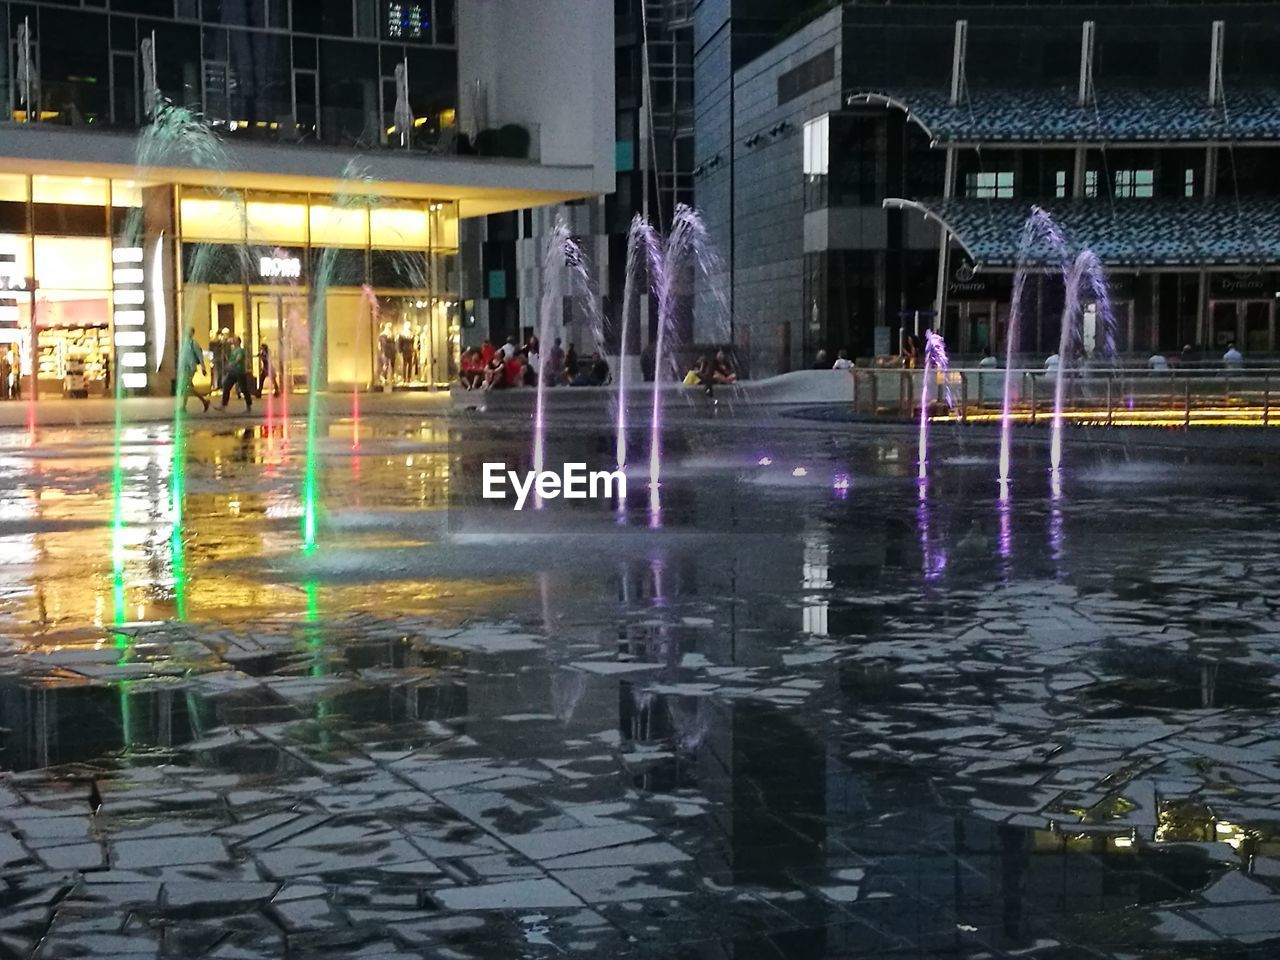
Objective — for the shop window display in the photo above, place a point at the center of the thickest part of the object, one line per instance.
(416, 342)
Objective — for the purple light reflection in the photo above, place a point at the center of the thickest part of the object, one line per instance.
(933, 561)
(1006, 529)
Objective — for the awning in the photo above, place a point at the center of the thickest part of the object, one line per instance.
(1051, 115)
(1126, 233)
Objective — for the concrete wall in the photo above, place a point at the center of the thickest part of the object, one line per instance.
(545, 64)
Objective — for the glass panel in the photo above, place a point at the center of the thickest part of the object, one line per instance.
(13, 187)
(444, 225)
(348, 92)
(446, 32)
(210, 218)
(1257, 326)
(126, 193)
(16, 249)
(74, 68)
(339, 226)
(87, 191)
(73, 263)
(399, 228)
(273, 221)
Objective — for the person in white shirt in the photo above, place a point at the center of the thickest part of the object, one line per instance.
(509, 348)
(1233, 358)
(1158, 362)
(987, 359)
(842, 361)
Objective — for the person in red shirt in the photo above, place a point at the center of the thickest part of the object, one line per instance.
(486, 353)
(472, 370)
(513, 372)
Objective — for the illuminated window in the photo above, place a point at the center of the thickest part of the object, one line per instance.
(405, 21)
(989, 185)
(211, 218)
(275, 222)
(1091, 183)
(339, 226)
(126, 193)
(1060, 184)
(73, 263)
(83, 191)
(399, 228)
(817, 147)
(1135, 183)
(13, 187)
(1189, 183)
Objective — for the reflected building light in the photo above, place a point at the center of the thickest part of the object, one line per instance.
(816, 573)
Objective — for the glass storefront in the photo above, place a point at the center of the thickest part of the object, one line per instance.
(99, 277)
(253, 264)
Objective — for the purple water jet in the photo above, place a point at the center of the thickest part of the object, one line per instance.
(564, 274)
(1086, 268)
(1039, 228)
(935, 366)
(686, 255)
(644, 266)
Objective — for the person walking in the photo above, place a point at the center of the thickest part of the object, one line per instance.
(15, 375)
(190, 358)
(237, 376)
(266, 371)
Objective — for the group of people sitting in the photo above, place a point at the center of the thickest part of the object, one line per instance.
(708, 372)
(509, 366)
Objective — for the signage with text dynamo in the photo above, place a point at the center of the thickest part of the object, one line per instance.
(573, 482)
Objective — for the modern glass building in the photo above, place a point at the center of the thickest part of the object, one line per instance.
(330, 151)
(886, 157)
(653, 86)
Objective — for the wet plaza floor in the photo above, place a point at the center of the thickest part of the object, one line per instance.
(777, 714)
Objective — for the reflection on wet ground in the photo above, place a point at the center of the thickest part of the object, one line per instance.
(771, 714)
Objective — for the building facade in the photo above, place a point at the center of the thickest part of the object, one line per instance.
(653, 107)
(261, 166)
(887, 156)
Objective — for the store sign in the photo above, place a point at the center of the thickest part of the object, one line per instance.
(967, 285)
(284, 268)
(1242, 286)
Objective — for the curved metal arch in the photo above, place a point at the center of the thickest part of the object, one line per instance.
(898, 203)
(872, 99)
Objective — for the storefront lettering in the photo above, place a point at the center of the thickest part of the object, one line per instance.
(289, 268)
(10, 284)
(1248, 284)
(1241, 284)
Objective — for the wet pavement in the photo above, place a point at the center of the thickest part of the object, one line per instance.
(778, 716)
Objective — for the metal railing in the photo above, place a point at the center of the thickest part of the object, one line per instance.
(1108, 397)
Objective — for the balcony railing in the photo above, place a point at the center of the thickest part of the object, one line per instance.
(353, 130)
(1115, 397)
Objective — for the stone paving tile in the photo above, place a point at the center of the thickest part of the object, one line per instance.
(1074, 759)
